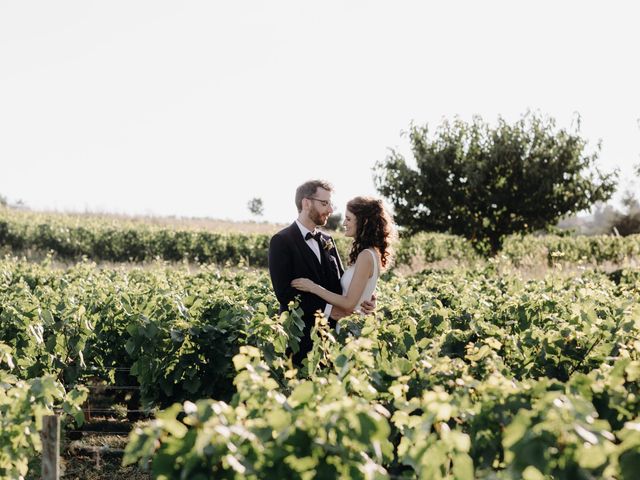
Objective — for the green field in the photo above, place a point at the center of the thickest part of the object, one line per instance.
(525, 365)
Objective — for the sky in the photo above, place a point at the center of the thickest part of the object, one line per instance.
(193, 108)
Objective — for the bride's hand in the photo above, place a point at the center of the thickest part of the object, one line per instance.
(303, 284)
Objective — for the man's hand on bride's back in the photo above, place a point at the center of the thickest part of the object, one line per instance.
(369, 306)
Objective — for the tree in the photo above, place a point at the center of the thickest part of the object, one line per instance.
(334, 221)
(484, 183)
(628, 223)
(256, 206)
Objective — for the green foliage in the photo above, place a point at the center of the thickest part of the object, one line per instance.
(484, 183)
(309, 433)
(177, 332)
(22, 406)
(628, 223)
(334, 222)
(464, 374)
(123, 242)
(99, 241)
(432, 247)
(551, 249)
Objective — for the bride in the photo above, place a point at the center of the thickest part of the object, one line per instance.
(372, 230)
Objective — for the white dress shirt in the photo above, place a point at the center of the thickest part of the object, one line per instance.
(313, 245)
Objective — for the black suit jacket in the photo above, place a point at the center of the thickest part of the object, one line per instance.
(290, 257)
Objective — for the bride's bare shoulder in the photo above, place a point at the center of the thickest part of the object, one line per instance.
(365, 255)
(365, 261)
(372, 255)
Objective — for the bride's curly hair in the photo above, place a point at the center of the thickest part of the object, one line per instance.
(374, 228)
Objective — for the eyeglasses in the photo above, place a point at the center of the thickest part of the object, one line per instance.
(324, 203)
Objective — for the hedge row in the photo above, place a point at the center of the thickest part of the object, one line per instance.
(70, 238)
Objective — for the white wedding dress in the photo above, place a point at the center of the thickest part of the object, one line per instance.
(370, 286)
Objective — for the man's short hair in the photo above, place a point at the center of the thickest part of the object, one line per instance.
(308, 189)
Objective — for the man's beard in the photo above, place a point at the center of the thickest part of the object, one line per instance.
(316, 217)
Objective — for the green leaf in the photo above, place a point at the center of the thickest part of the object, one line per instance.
(240, 361)
(302, 464)
(532, 473)
(462, 467)
(278, 419)
(302, 394)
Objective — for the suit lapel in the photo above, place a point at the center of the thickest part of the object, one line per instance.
(324, 253)
(339, 262)
(330, 260)
(308, 255)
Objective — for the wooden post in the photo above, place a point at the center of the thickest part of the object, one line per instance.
(51, 447)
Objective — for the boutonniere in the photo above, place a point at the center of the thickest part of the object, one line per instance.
(327, 244)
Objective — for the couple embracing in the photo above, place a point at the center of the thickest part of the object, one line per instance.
(304, 261)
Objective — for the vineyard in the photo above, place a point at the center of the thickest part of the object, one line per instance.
(475, 368)
(72, 238)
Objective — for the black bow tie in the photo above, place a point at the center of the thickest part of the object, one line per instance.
(315, 236)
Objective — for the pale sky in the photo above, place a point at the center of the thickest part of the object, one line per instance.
(193, 108)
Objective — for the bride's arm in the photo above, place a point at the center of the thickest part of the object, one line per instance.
(362, 272)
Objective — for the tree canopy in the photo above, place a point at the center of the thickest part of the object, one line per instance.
(484, 183)
(256, 206)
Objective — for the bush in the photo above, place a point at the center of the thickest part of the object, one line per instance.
(485, 183)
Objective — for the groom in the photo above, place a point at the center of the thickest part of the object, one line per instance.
(301, 250)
